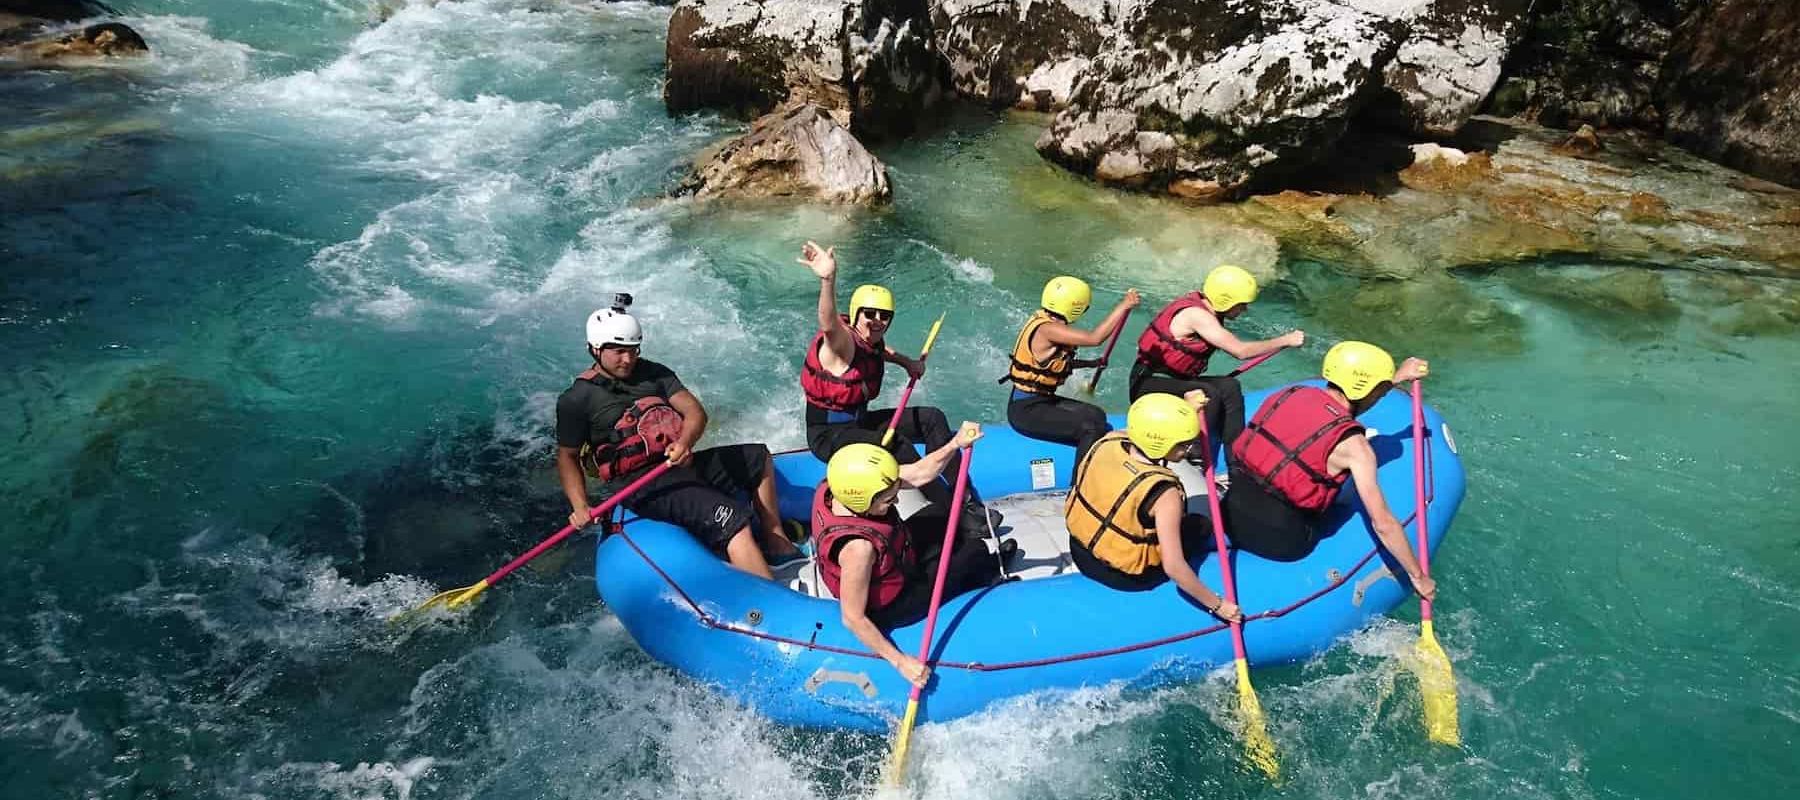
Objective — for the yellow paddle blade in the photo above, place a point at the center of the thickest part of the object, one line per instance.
(462, 598)
(439, 599)
(1437, 683)
(932, 336)
(902, 739)
(1258, 747)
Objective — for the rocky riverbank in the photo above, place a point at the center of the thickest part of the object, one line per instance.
(1210, 100)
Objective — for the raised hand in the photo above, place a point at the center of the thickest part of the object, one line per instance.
(1131, 299)
(1293, 339)
(821, 260)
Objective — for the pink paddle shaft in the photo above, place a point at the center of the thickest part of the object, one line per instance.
(1218, 526)
(1253, 363)
(904, 396)
(593, 514)
(943, 570)
(1418, 431)
(1110, 344)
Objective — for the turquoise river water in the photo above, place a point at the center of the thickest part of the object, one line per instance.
(284, 310)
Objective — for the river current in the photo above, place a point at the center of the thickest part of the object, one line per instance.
(284, 310)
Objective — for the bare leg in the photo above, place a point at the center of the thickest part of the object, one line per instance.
(746, 555)
(769, 511)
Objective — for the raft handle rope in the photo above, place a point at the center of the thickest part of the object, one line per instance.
(710, 621)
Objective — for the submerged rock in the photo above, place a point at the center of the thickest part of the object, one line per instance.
(797, 151)
(874, 61)
(1524, 199)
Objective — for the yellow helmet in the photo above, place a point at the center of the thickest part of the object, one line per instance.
(1357, 368)
(1158, 422)
(1229, 286)
(858, 472)
(869, 295)
(1067, 297)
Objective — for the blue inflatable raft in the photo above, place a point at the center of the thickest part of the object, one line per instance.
(779, 648)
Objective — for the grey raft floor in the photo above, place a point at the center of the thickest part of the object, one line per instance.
(1033, 519)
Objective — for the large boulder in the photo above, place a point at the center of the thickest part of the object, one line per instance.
(1449, 61)
(1204, 99)
(1021, 52)
(796, 151)
(871, 59)
(1731, 87)
(1591, 62)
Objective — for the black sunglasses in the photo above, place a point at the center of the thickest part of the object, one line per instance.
(878, 314)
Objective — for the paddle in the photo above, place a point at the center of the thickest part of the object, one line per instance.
(457, 597)
(1436, 681)
(907, 395)
(1260, 749)
(1252, 363)
(1107, 356)
(903, 737)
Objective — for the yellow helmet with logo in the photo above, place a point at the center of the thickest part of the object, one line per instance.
(1158, 422)
(858, 472)
(1357, 368)
(1067, 297)
(869, 295)
(1229, 286)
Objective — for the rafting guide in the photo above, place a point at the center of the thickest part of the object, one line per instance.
(625, 413)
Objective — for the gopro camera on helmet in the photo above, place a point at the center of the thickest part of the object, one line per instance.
(621, 301)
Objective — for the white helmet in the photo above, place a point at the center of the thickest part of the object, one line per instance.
(613, 326)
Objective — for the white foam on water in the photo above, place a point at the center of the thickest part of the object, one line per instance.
(187, 59)
(299, 605)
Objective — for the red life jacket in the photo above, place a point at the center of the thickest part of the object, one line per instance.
(1286, 447)
(859, 384)
(1159, 348)
(893, 553)
(643, 432)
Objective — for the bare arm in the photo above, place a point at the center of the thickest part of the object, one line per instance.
(1355, 454)
(1065, 334)
(823, 262)
(1207, 327)
(693, 425)
(1168, 511)
(857, 561)
(574, 485)
(927, 469)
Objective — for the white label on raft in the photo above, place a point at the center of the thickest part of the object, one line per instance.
(1448, 439)
(1043, 473)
